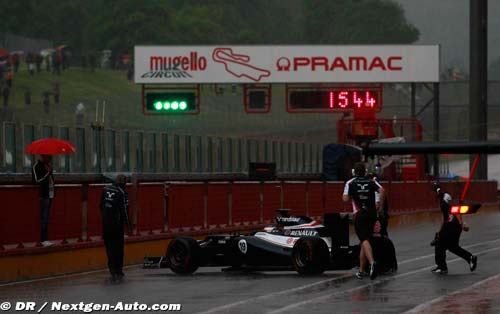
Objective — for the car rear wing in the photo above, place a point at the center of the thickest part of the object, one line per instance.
(479, 147)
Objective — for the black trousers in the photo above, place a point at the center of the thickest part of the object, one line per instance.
(452, 246)
(114, 242)
(45, 204)
(384, 222)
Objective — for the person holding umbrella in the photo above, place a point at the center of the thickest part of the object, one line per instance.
(42, 174)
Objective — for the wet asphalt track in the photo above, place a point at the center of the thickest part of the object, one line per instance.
(413, 288)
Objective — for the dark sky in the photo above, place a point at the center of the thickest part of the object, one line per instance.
(446, 22)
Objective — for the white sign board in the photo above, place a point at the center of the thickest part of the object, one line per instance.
(286, 64)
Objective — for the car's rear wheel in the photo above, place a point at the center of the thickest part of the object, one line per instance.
(183, 255)
(310, 256)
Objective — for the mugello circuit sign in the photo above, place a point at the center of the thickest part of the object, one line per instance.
(286, 64)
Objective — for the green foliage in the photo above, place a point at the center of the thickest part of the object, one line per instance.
(90, 25)
(357, 22)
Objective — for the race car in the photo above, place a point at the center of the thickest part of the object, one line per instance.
(294, 242)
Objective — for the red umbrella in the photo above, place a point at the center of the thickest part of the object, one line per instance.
(4, 54)
(50, 146)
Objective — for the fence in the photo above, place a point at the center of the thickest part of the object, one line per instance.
(163, 209)
(109, 150)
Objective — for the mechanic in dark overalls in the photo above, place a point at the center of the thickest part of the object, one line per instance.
(114, 209)
(361, 191)
(449, 235)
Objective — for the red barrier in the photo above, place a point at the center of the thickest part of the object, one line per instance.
(484, 191)
(333, 198)
(218, 204)
(150, 207)
(245, 202)
(422, 197)
(66, 213)
(404, 199)
(94, 220)
(455, 188)
(315, 199)
(294, 194)
(271, 200)
(198, 205)
(396, 196)
(185, 205)
(20, 214)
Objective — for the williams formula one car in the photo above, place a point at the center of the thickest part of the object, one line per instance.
(294, 242)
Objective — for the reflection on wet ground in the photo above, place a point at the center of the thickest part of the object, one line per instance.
(413, 289)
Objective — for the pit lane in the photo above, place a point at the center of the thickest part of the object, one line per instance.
(412, 289)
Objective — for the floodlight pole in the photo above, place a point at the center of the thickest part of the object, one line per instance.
(478, 82)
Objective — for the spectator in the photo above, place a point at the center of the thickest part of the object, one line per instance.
(5, 94)
(64, 59)
(56, 63)
(114, 210)
(47, 59)
(80, 113)
(38, 62)
(15, 62)
(31, 68)
(119, 64)
(42, 174)
(29, 62)
(46, 101)
(9, 76)
(56, 91)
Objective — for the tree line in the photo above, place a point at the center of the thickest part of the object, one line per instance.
(89, 25)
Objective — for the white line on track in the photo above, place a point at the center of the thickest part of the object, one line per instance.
(271, 295)
(63, 276)
(328, 296)
(423, 306)
(288, 291)
(432, 255)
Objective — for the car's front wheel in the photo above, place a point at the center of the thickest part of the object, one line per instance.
(183, 255)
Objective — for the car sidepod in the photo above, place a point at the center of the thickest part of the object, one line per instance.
(261, 250)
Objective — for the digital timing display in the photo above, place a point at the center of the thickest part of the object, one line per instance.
(334, 99)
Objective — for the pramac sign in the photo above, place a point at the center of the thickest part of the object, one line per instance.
(286, 64)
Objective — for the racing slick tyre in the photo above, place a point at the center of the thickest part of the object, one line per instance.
(310, 256)
(183, 255)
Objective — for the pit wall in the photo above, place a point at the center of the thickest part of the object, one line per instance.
(161, 211)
